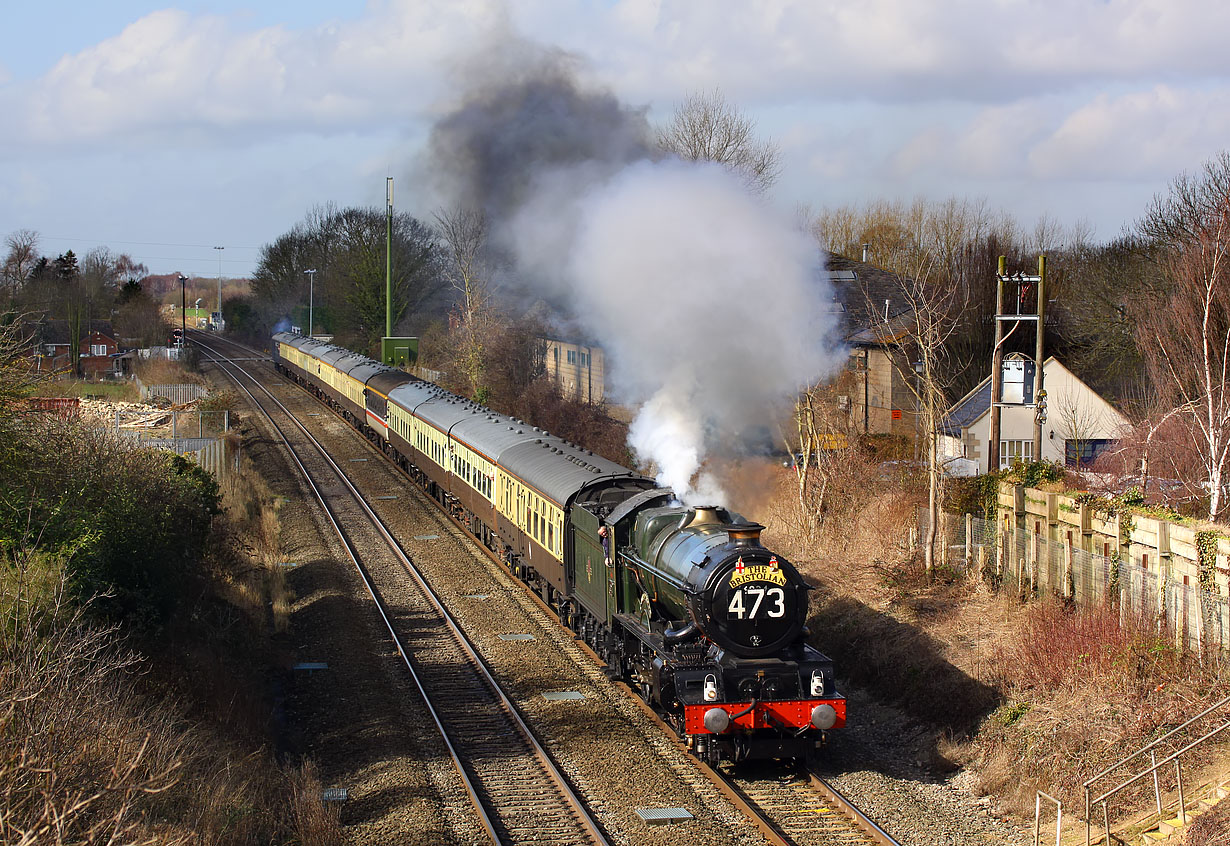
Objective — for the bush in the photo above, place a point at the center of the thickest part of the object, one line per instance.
(129, 522)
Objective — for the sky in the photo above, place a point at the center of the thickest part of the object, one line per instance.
(164, 130)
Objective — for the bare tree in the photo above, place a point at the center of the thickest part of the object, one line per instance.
(464, 232)
(919, 340)
(21, 258)
(706, 127)
(1077, 421)
(1183, 328)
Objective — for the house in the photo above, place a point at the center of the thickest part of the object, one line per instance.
(875, 389)
(51, 347)
(1079, 425)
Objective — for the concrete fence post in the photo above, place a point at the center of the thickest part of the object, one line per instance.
(969, 540)
(944, 539)
(1069, 587)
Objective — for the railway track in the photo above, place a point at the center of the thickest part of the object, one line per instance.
(518, 793)
(787, 806)
(801, 809)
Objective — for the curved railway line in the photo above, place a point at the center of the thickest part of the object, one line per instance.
(514, 803)
(517, 792)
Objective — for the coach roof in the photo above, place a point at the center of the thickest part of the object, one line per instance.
(556, 468)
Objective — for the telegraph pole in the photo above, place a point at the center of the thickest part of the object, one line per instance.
(183, 311)
(218, 325)
(997, 365)
(388, 259)
(1039, 390)
(1022, 285)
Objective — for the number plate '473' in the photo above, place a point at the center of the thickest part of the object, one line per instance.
(753, 601)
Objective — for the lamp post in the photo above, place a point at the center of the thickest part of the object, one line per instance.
(311, 275)
(219, 323)
(183, 310)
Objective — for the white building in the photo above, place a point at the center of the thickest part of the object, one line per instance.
(1079, 425)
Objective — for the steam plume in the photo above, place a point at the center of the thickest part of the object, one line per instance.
(710, 306)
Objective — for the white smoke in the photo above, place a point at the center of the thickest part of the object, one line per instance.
(711, 307)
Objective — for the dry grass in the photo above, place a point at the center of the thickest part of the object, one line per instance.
(1084, 691)
(87, 756)
(161, 371)
(1211, 829)
(252, 510)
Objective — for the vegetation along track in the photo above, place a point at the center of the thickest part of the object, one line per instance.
(785, 806)
(517, 791)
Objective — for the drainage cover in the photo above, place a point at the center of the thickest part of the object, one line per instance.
(358, 459)
(475, 596)
(663, 816)
(426, 537)
(516, 637)
(384, 497)
(288, 563)
(334, 794)
(563, 695)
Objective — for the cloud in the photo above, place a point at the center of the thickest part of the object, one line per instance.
(1139, 135)
(171, 72)
(1145, 135)
(892, 51)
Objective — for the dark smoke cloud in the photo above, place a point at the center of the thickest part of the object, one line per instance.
(526, 111)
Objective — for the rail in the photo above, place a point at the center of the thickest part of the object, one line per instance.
(1153, 769)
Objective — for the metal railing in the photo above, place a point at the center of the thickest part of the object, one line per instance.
(1154, 767)
(1038, 816)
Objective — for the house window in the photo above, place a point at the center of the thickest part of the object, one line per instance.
(1011, 451)
(1082, 453)
(98, 349)
(572, 356)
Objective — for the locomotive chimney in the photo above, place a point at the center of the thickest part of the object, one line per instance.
(702, 515)
(745, 534)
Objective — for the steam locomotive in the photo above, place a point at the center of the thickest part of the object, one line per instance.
(682, 602)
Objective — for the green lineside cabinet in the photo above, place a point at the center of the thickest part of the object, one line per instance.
(399, 352)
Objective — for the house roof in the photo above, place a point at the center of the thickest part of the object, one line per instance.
(967, 409)
(868, 297)
(58, 331)
(977, 402)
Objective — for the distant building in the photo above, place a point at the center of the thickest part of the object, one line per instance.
(578, 368)
(1079, 425)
